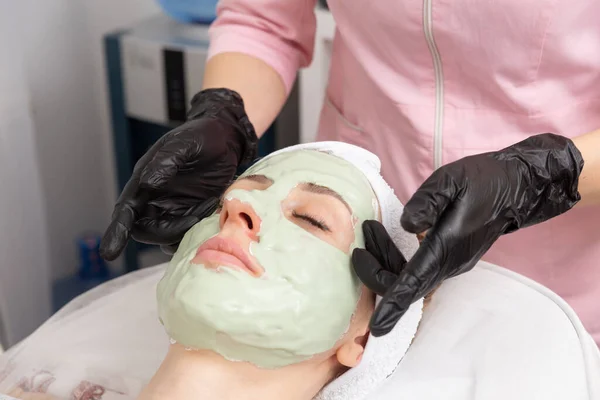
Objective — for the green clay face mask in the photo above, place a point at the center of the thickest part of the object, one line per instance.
(303, 302)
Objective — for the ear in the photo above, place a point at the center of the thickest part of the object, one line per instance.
(350, 353)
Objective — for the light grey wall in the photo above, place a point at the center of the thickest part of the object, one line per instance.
(65, 68)
(24, 262)
(56, 164)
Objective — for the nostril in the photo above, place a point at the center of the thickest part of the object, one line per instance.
(248, 220)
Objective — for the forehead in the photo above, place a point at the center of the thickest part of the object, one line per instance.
(308, 166)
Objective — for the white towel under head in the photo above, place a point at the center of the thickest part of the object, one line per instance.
(382, 354)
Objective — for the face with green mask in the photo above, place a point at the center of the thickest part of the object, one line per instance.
(268, 279)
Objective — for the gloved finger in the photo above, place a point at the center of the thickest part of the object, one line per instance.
(418, 278)
(181, 206)
(163, 230)
(117, 234)
(128, 208)
(371, 274)
(392, 307)
(168, 231)
(173, 155)
(429, 202)
(379, 243)
(204, 209)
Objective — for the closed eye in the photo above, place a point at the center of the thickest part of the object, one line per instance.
(316, 222)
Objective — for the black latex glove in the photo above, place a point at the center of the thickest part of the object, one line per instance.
(465, 207)
(380, 264)
(181, 177)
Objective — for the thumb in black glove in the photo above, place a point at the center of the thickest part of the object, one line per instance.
(380, 263)
(180, 178)
(465, 207)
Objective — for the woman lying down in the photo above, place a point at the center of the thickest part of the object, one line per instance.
(261, 302)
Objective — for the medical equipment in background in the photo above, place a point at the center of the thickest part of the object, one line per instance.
(190, 11)
(93, 271)
(91, 265)
(154, 69)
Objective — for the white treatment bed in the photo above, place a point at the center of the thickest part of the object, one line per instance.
(488, 334)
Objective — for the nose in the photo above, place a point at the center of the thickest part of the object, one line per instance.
(240, 216)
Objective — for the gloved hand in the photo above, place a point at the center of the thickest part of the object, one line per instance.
(380, 264)
(465, 207)
(181, 177)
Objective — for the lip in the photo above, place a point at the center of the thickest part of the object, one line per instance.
(228, 253)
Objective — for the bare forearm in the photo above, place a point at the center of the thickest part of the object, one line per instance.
(589, 181)
(259, 85)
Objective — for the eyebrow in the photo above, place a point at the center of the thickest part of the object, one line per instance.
(263, 179)
(257, 178)
(305, 186)
(318, 189)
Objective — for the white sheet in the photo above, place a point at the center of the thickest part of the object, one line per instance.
(489, 334)
(492, 334)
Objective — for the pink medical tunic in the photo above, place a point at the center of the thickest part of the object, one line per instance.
(422, 83)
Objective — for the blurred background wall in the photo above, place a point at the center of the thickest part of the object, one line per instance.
(55, 144)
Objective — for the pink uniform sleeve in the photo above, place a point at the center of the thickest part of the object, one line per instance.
(279, 32)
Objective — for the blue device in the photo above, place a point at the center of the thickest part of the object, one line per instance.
(190, 11)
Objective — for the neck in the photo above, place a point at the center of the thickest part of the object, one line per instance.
(192, 375)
